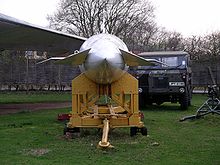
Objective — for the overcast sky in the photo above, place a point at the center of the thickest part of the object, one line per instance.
(189, 17)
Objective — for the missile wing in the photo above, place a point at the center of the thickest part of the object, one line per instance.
(74, 59)
(134, 60)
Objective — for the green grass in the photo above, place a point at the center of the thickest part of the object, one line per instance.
(33, 97)
(36, 138)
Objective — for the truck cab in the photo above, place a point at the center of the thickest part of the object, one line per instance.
(169, 81)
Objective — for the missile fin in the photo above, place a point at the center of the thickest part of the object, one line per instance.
(134, 60)
(74, 59)
(50, 59)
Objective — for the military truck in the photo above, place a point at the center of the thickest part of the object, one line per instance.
(167, 82)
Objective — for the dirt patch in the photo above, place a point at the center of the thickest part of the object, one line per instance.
(36, 152)
(16, 108)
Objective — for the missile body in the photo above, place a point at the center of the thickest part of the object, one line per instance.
(104, 63)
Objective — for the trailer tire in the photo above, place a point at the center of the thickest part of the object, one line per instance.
(144, 131)
(133, 131)
(65, 130)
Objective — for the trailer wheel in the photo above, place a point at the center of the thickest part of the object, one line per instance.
(144, 131)
(133, 131)
(71, 130)
(65, 130)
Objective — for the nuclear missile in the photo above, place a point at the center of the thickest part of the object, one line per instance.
(104, 58)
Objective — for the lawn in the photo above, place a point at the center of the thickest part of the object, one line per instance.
(36, 138)
(34, 97)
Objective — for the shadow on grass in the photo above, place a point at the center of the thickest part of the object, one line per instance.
(197, 101)
(163, 107)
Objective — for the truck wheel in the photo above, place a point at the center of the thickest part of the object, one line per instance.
(189, 99)
(142, 100)
(144, 131)
(159, 103)
(189, 102)
(184, 101)
(133, 131)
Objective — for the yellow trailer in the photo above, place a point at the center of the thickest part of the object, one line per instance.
(105, 106)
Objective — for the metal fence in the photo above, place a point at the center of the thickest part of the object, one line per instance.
(205, 73)
(19, 73)
(24, 74)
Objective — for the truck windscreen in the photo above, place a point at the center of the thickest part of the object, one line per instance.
(170, 61)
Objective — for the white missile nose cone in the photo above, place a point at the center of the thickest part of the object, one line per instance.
(104, 63)
(104, 52)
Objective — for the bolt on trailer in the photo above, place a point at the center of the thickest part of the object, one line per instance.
(167, 82)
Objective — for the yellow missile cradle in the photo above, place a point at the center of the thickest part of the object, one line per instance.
(120, 111)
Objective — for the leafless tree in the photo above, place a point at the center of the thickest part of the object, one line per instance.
(164, 40)
(203, 48)
(212, 44)
(194, 46)
(131, 20)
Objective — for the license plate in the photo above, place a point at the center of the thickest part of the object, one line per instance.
(176, 84)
